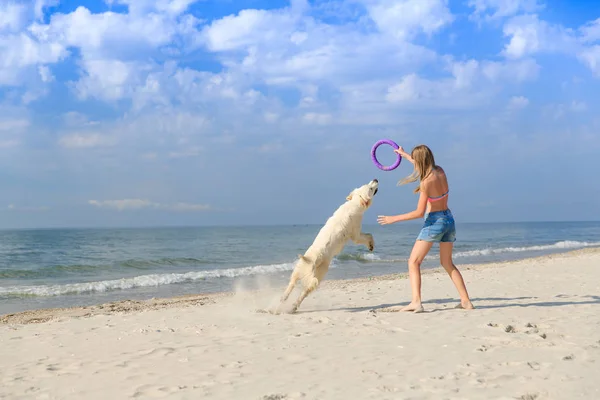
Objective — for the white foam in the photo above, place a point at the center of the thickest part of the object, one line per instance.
(141, 281)
(370, 257)
(563, 245)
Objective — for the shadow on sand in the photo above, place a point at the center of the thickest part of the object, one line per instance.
(507, 302)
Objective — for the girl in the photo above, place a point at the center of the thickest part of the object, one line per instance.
(438, 227)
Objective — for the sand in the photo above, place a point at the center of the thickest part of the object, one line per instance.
(534, 335)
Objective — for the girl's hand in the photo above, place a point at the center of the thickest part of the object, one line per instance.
(385, 220)
(404, 154)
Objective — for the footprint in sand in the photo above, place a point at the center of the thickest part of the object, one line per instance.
(529, 396)
(159, 351)
(283, 396)
(299, 334)
(483, 348)
(235, 364)
(274, 397)
(534, 365)
(150, 391)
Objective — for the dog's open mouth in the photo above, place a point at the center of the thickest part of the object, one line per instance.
(375, 192)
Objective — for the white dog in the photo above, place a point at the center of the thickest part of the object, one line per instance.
(345, 224)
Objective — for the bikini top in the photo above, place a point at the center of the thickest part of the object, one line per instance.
(431, 199)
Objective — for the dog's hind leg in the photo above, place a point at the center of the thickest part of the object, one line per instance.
(293, 279)
(312, 285)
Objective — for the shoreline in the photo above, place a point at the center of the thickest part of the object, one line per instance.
(122, 307)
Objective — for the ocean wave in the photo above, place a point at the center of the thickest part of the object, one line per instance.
(141, 264)
(562, 245)
(361, 257)
(153, 280)
(58, 270)
(140, 281)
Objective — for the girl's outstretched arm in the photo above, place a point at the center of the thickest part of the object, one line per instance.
(404, 155)
(418, 213)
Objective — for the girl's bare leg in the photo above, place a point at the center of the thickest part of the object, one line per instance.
(446, 261)
(419, 251)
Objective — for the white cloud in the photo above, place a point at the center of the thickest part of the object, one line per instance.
(249, 27)
(530, 35)
(193, 151)
(590, 57)
(108, 79)
(404, 19)
(138, 204)
(511, 71)
(10, 143)
(561, 110)
(590, 32)
(578, 106)
(13, 207)
(22, 54)
(45, 74)
(288, 48)
(471, 84)
(317, 118)
(518, 102)
(125, 204)
(40, 5)
(13, 124)
(77, 119)
(12, 16)
(453, 93)
(496, 9)
(187, 207)
(269, 148)
(86, 140)
(114, 47)
(271, 117)
(142, 7)
(103, 35)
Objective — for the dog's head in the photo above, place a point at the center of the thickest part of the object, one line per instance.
(364, 194)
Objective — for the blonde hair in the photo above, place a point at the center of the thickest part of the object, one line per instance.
(424, 164)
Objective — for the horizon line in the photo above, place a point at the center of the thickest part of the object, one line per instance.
(263, 225)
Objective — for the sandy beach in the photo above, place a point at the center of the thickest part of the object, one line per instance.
(534, 335)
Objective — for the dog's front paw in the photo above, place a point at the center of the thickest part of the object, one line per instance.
(371, 244)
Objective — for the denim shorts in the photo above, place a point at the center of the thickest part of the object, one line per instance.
(438, 227)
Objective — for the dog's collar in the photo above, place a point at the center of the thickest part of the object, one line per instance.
(363, 202)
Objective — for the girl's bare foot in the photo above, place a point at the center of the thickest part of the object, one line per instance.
(466, 305)
(414, 307)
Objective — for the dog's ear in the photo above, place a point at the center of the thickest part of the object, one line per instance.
(349, 197)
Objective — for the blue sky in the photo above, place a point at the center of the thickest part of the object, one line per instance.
(181, 112)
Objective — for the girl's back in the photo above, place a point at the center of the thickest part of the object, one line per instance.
(436, 187)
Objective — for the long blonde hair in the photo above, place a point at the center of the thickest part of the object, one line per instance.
(424, 164)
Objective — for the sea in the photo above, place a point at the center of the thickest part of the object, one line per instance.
(48, 268)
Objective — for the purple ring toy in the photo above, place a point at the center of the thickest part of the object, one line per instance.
(374, 157)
